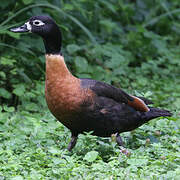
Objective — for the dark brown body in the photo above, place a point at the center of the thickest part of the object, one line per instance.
(81, 105)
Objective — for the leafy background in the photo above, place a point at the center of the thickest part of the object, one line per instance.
(133, 44)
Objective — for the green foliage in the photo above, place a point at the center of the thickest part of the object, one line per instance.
(33, 147)
(130, 44)
(110, 39)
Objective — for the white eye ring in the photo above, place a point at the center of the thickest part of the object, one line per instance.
(38, 23)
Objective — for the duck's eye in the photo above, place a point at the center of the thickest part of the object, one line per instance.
(38, 23)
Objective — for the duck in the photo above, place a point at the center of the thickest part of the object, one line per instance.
(81, 104)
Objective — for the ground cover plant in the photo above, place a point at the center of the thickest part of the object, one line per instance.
(130, 44)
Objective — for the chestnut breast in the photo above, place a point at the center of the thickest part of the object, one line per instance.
(63, 92)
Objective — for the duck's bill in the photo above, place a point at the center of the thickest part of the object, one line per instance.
(20, 29)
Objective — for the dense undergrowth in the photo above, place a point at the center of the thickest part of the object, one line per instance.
(130, 44)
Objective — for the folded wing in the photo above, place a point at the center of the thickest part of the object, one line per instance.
(105, 90)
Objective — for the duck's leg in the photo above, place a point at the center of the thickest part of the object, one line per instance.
(72, 142)
(120, 143)
(119, 140)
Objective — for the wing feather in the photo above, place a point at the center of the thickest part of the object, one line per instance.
(117, 94)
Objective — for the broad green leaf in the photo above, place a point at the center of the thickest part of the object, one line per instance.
(68, 7)
(115, 61)
(81, 64)
(58, 160)
(8, 109)
(72, 48)
(7, 61)
(17, 178)
(54, 150)
(19, 90)
(2, 74)
(137, 162)
(27, 1)
(91, 156)
(108, 24)
(4, 93)
(4, 3)
(109, 5)
(31, 107)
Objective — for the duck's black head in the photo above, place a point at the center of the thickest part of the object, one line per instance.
(45, 27)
